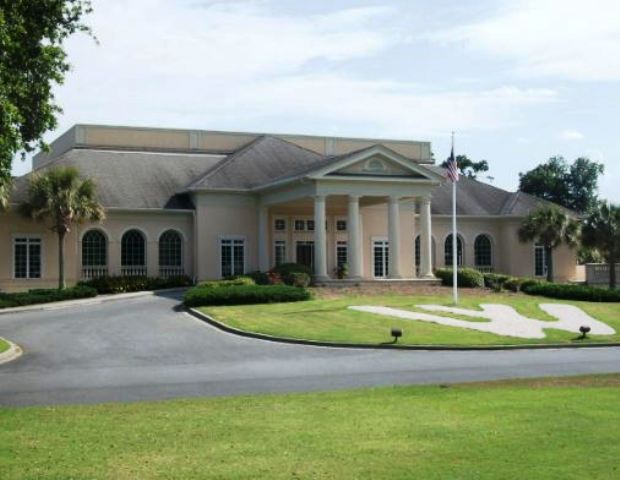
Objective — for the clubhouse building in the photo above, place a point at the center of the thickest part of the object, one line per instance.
(212, 204)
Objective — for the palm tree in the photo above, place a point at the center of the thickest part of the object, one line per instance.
(549, 226)
(601, 230)
(5, 191)
(61, 198)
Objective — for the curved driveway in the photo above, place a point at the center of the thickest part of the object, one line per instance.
(145, 348)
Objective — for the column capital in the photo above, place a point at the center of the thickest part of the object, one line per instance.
(425, 200)
(353, 197)
(394, 198)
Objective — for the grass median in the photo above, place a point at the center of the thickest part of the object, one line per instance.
(543, 429)
(4, 345)
(329, 319)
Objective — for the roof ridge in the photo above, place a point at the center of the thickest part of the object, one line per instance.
(225, 161)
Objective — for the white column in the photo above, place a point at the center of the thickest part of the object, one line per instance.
(320, 240)
(263, 238)
(426, 239)
(354, 245)
(394, 238)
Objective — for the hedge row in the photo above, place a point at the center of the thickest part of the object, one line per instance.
(202, 296)
(120, 284)
(33, 297)
(572, 292)
(466, 277)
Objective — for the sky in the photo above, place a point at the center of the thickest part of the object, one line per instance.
(517, 80)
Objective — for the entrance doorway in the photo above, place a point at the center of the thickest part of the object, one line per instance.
(304, 252)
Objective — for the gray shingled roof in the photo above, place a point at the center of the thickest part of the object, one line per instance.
(478, 198)
(134, 179)
(262, 161)
(127, 179)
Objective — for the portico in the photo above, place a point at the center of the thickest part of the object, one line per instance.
(352, 188)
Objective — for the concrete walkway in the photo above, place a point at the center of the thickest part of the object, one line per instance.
(145, 348)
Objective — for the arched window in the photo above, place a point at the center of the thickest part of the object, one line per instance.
(94, 254)
(417, 255)
(170, 254)
(133, 253)
(448, 251)
(483, 253)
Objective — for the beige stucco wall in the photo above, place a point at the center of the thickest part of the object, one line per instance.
(151, 224)
(235, 216)
(224, 215)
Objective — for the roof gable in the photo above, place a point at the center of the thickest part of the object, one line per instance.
(375, 161)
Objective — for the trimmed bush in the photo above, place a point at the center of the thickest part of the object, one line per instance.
(244, 295)
(229, 282)
(528, 282)
(297, 279)
(573, 292)
(495, 281)
(466, 277)
(260, 278)
(513, 284)
(33, 297)
(120, 284)
(285, 268)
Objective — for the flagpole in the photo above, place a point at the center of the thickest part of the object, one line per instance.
(455, 288)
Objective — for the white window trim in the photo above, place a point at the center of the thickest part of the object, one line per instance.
(346, 244)
(273, 224)
(275, 242)
(372, 254)
(544, 274)
(34, 236)
(219, 251)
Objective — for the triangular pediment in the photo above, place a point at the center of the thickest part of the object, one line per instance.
(377, 165)
(378, 162)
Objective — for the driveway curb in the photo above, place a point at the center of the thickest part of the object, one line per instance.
(88, 301)
(13, 353)
(390, 346)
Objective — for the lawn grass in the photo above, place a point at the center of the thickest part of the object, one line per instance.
(329, 319)
(4, 345)
(542, 429)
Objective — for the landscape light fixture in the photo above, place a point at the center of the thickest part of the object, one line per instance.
(396, 333)
(584, 329)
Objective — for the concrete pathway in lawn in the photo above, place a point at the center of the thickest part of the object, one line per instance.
(503, 320)
(147, 348)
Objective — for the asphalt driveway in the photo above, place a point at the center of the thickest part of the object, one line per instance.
(146, 348)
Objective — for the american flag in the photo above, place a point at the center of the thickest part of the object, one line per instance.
(453, 169)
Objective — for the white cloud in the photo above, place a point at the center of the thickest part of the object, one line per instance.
(573, 39)
(243, 65)
(571, 135)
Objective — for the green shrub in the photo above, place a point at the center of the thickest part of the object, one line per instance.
(260, 278)
(120, 284)
(33, 297)
(495, 281)
(513, 284)
(244, 295)
(466, 277)
(297, 279)
(528, 282)
(230, 282)
(285, 268)
(573, 292)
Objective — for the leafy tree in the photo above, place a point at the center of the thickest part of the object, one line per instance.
(32, 61)
(573, 186)
(549, 226)
(59, 197)
(468, 167)
(601, 231)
